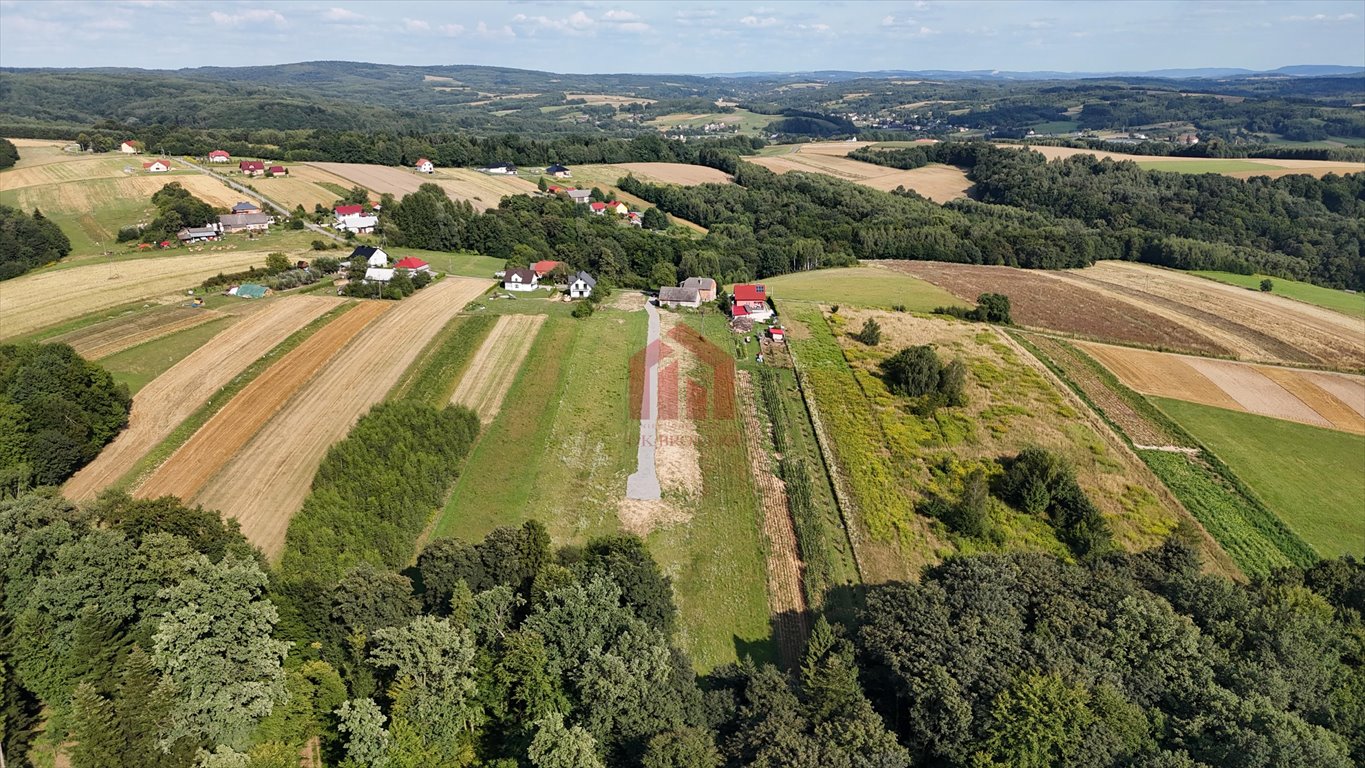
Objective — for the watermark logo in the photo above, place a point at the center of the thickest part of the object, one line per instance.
(708, 392)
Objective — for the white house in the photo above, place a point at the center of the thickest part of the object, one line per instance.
(157, 166)
(374, 257)
(520, 280)
(581, 196)
(361, 225)
(219, 156)
(501, 169)
(581, 285)
(378, 275)
(424, 166)
(128, 148)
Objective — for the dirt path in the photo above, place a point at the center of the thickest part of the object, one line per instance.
(215, 443)
(495, 365)
(643, 483)
(253, 194)
(786, 599)
(171, 397)
(267, 480)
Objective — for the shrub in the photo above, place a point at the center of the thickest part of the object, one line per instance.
(898, 307)
(1267, 285)
(1042, 483)
(128, 234)
(277, 262)
(871, 334)
(583, 309)
(970, 516)
(994, 308)
(913, 371)
(318, 245)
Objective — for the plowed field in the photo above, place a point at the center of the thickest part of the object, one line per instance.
(34, 301)
(495, 365)
(266, 481)
(1236, 167)
(105, 338)
(676, 173)
(214, 444)
(175, 394)
(482, 190)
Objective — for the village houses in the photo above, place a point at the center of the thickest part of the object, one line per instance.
(520, 279)
(750, 301)
(219, 156)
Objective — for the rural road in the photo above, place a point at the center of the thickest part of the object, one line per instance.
(644, 483)
(253, 193)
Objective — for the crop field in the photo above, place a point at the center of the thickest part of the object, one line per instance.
(1040, 300)
(305, 185)
(603, 98)
(1314, 479)
(228, 430)
(1352, 304)
(489, 375)
(482, 190)
(1241, 168)
(54, 296)
(433, 376)
(939, 183)
(160, 406)
(263, 485)
(746, 121)
(117, 334)
(1328, 400)
(872, 285)
(673, 173)
(138, 366)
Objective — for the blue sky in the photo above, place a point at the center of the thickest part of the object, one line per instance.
(687, 37)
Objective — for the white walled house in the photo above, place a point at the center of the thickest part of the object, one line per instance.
(157, 166)
(128, 148)
(520, 280)
(378, 275)
(374, 257)
(361, 225)
(581, 285)
(424, 166)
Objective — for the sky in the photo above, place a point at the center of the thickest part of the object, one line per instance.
(596, 36)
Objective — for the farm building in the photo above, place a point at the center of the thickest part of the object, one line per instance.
(778, 335)
(375, 257)
(558, 171)
(277, 170)
(424, 166)
(706, 287)
(157, 166)
(618, 207)
(554, 190)
(246, 208)
(520, 280)
(244, 222)
(348, 210)
(545, 267)
(378, 275)
(501, 169)
(414, 264)
(751, 302)
(251, 167)
(361, 225)
(128, 148)
(199, 234)
(678, 297)
(581, 285)
(581, 196)
(219, 156)
(249, 291)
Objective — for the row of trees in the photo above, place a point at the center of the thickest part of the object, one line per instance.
(28, 241)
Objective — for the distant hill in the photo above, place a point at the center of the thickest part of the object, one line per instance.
(1298, 70)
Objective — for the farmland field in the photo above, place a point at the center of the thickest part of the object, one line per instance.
(873, 285)
(173, 395)
(279, 462)
(482, 190)
(495, 365)
(1241, 168)
(138, 366)
(1331, 298)
(117, 334)
(939, 183)
(747, 122)
(1314, 479)
(305, 185)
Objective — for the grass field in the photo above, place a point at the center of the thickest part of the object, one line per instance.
(1352, 304)
(1314, 479)
(432, 377)
(139, 365)
(748, 122)
(867, 286)
(464, 263)
(1211, 165)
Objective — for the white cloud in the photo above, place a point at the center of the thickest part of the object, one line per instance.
(892, 21)
(1321, 17)
(758, 22)
(625, 21)
(416, 25)
(696, 17)
(1039, 24)
(342, 14)
(494, 33)
(813, 27)
(248, 16)
(452, 30)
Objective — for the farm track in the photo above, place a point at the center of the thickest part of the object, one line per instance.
(223, 435)
(267, 480)
(786, 599)
(50, 297)
(490, 374)
(103, 339)
(171, 397)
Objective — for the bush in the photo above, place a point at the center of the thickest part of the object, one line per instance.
(871, 334)
(990, 308)
(277, 262)
(1043, 484)
(128, 234)
(898, 307)
(1267, 285)
(318, 245)
(583, 309)
(970, 516)
(913, 371)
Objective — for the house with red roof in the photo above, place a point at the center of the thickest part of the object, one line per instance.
(618, 207)
(128, 148)
(750, 300)
(277, 170)
(424, 166)
(413, 264)
(251, 167)
(598, 208)
(157, 166)
(219, 156)
(348, 210)
(545, 267)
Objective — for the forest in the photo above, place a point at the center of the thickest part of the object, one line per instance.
(28, 240)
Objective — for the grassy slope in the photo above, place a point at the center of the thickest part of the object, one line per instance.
(863, 286)
(462, 263)
(1212, 165)
(137, 366)
(432, 377)
(1314, 479)
(1352, 304)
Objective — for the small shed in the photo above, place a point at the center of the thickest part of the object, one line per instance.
(250, 291)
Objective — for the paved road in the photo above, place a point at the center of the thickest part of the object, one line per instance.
(264, 200)
(644, 483)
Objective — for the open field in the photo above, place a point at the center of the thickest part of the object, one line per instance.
(482, 190)
(1041, 300)
(265, 482)
(138, 366)
(172, 396)
(743, 120)
(53, 296)
(939, 183)
(1352, 304)
(490, 374)
(605, 176)
(1241, 168)
(675, 173)
(1314, 479)
(1330, 400)
(872, 285)
(464, 264)
(602, 98)
(305, 185)
(115, 335)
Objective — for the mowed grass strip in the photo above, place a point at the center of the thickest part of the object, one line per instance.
(434, 375)
(1312, 478)
(1352, 304)
(868, 286)
(137, 366)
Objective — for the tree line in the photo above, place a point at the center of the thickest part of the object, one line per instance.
(28, 241)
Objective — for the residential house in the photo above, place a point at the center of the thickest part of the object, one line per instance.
(581, 196)
(545, 267)
(198, 234)
(598, 208)
(251, 167)
(157, 166)
(678, 297)
(618, 207)
(520, 280)
(219, 156)
(128, 148)
(244, 222)
(348, 210)
(558, 171)
(554, 190)
(357, 223)
(424, 166)
(706, 287)
(636, 219)
(249, 291)
(581, 285)
(750, 301)
(374, 257)
(246, 208)
(1187, 139)
(413, 264)
(378, 275)
(501, 169)
(277, 170)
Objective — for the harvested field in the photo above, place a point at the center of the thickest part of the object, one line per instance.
(41, 299)
(1330, 400)
(175, 394)
(1237, 167)
(223, 435)
(676, 173)
(939, 183)
(265, 482)
(1041, 300)
(602, 98)
(495, 365)
(482, 190)
(61, 168)
(103, 339)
